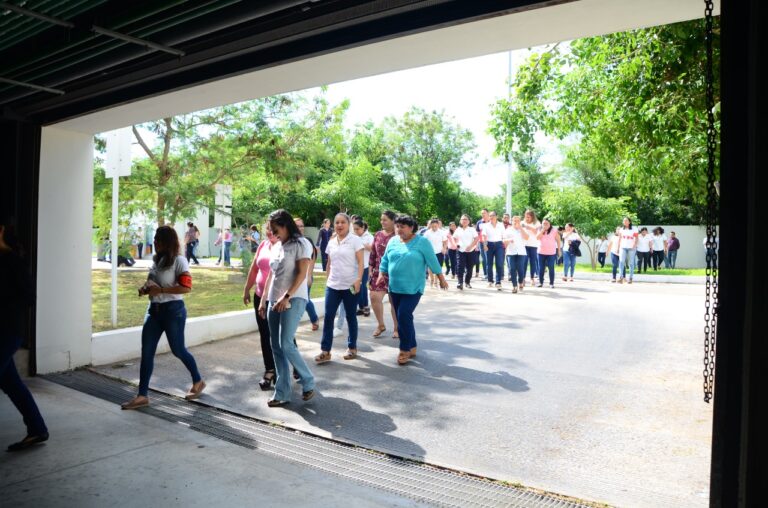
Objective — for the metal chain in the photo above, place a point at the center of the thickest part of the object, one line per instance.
(712, 215)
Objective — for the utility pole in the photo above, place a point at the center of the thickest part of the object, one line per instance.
(509, 158)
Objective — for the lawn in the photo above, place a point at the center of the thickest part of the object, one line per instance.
(676, 271)
(213, 293)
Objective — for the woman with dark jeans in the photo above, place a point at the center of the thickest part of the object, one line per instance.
(257, 276)
(361, 230)
(548, 251)
(514, 244)
(17, 294)
(613, 248)
(311, 312)
(169, 279)
(405, 261)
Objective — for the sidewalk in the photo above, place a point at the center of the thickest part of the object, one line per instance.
(99, 455)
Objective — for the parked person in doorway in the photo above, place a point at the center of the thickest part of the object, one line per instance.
(571, 250)
(361, 230)
(190, 242)
(514, 243)
(548, 251)
(437, 238)
(287, 294)
(644, 250)
(323, 236)
(628, 247)
(493, 234)
(257, 275)
(467, 240)
(345, 275)
(379, 286)
(659, 247)
(17, 294)
(405, 261)
(602, 249)
(673, 245)
(168, 281)
(532, 226)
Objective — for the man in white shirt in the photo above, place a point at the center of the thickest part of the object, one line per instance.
(644, 248)
(436, 237)
(466, 240)
(493, 234)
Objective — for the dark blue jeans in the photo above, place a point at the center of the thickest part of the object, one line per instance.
(14, 387)
(483, 259)
(547, 261)
(495, 256)
(516, 265)
(334, 298)
(450, 262)
(170, 318)
(404, 306)
(533, 260)
(311, 312)
(615, 263)
(362, 302)
(466, 261)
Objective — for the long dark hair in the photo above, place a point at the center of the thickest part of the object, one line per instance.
(390, 214)
(169, 241)
(283, 219)
(630, 223)
(546, 231)
(9, 234)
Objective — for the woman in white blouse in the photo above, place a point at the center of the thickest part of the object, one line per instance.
(514, 243)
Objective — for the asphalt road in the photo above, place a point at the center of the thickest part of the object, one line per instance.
(590, 389)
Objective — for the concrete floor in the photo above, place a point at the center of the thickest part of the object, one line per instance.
(591, 389)
(101, 456)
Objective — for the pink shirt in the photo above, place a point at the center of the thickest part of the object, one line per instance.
(262, 262)
(549, 243)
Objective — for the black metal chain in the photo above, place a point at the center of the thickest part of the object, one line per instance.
(712, 215)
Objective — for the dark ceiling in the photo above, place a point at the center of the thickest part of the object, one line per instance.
(64, 58)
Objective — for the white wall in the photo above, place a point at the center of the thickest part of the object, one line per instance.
(64, 250)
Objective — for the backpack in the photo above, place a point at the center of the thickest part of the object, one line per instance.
(574, 247)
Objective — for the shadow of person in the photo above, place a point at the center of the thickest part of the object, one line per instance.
(347, 420)
(438, 369)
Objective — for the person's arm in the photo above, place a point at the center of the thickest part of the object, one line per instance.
(474, 243)
(360, 269)
(373, 259)
(328, 267)
(263, 303)
(384, 265)
(634, 245)
(523, 234)
(429, 256)
(253, 272)
(539, 234)
(183, 286)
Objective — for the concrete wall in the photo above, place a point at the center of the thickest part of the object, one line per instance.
(123, 344)
(64, 250)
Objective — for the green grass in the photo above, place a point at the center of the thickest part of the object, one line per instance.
(676, 271)
(213, 293)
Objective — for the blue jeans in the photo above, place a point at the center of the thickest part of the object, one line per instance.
(311, 312)
(282, 330)
(466, 261)
(333, 298)
(547, 261)
(170, 318)
(533, 260)
(450, 262)
(14, 387)
(516, 265)
(671, 259)
(483, 259)
(362, 301)
(615, 263)
(569, 263)
(624, 255)
(404, 306)
(495, 256)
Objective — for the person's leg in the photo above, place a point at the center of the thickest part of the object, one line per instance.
(510, 272)
(672, 258)
(289, 322)
(614, 264)
(174, 320)
(150, 336)
(566, 264)
(377, 304)
(192, 252)
(623, 253)
(573, 263)
(405, 305)
(349, 300)
(484, 258)
(453, 255)
(324, 261)
(601, 259)
(340, 318)
(363, 298)
(499, 262)
(461, 261)
(311, 312)
(332, 301)
(17, 391)
(522, 261)
(540, 265)
(632, 264)
(228, 253)
(266, 344)
(533, 259)
(282, 367)
(551, 267)
(188, 251)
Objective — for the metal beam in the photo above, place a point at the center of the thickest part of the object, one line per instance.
(136, 40)
(32, 86)
(33, 14)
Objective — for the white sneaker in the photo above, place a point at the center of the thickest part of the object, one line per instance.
(337, 332)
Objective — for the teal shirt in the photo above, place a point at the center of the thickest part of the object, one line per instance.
(406, 264)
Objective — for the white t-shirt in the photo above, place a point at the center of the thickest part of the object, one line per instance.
(436, 238)
(644, 243)
(516, 246)
(532, 230)
(284, 263)
(492, 233)
(367, 240)
(628, 237)
(603, 246)
(658, 242)
(168, 278)
(465, 237)
(567, 239)
(343, 261)
(615, 244)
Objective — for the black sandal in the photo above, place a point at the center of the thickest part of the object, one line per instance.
(277, 403)
(268, 380)
(27, 442)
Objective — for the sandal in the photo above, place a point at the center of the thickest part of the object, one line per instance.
(27, 442)
(195, 391)
(267, 380)
(315, 326)
(367, 311)
(379, 331)
(351, 354)
(413, 352)
(135, 403)
(403, 358)
(323, 357)
(277, 403)
(307, 395)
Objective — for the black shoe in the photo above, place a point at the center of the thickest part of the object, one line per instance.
(296, 375)
(27, 442)
(460, 287)
(277, 403)
(359, 312)
(268, 380)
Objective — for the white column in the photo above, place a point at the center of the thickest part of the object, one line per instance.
(65, 217)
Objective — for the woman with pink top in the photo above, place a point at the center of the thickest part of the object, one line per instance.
(258, 275)
(548, 251)
(380, 286)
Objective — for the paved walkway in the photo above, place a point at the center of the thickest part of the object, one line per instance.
(591, 389)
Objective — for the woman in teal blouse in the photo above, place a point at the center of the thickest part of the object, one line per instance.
(405, 261)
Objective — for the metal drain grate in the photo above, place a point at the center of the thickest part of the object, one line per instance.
(411, 479)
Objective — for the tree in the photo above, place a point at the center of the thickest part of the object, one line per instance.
(592, 216)
(634, 101)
